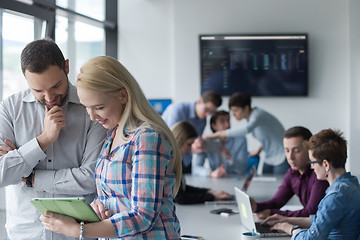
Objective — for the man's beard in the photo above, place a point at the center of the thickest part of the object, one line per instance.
(62, 97)
(62, 100)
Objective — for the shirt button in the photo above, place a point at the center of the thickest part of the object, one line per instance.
(312, 231)
(39, 161)
(49, 160)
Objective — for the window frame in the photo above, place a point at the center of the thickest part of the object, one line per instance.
(46, 10)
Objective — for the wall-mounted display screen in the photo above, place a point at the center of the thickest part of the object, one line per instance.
(260, 65)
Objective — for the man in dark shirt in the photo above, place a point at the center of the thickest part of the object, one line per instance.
(300, 180)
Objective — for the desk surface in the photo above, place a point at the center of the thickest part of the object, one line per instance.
(197, 219)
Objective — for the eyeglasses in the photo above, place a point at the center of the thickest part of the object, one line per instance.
(313, 162)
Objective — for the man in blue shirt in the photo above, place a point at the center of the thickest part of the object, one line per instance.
(196, 114)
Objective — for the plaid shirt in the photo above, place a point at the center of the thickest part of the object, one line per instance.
(135, 181)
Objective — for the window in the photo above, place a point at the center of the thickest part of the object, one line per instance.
(77, 44)
(12, 44)
(82, 28)
(92, 8)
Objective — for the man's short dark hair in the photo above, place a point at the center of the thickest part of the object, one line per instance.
(215, 116)
(298, 131)
(240, 100)
(213, 97)
(38, 55)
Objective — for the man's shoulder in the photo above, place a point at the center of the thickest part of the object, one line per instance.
(17, 98)
(259, 113)
(179, 106)
(19, 95)
(177, 111)
(264, 116)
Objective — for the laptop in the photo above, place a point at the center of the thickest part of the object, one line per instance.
(248, 179)
(247, 218)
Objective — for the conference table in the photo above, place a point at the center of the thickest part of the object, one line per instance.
(196, 219)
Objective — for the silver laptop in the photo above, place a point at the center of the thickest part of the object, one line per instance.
(247, 218)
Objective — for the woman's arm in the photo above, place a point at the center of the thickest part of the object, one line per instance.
(70, 227)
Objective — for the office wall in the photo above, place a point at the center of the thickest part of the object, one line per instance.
(146, 45)
(354, 120)
(2, 198)
(166, 63)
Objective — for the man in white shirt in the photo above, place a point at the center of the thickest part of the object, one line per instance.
(48, 144)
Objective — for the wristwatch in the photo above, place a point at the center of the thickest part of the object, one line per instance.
(29, 180)
(294, 228)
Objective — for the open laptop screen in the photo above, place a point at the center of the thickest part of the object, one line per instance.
(247, 218)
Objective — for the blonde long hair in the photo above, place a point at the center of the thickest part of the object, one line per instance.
(106, 74)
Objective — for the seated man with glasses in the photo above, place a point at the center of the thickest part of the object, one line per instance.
(300, 180)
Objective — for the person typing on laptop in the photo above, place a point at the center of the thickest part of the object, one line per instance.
(300, 180)
(338, 215)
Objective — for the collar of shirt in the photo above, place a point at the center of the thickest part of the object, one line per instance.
(110, 131)
(338, 181)
(127, 131)
(307, 172)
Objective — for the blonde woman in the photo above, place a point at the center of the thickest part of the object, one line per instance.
(185, 134)
(138, 172)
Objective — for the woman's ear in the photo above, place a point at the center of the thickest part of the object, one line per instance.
(123, 96)
(326, 163)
